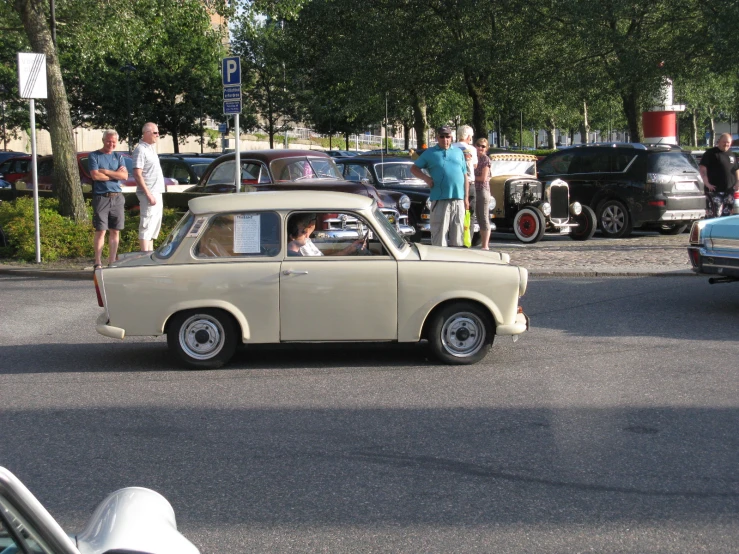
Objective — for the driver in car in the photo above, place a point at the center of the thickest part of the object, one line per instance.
(299, 229)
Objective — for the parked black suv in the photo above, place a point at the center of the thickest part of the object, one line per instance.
(631, 185)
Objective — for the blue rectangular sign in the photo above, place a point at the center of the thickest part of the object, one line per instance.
(231, 106)
(231, 71)
(232, 93)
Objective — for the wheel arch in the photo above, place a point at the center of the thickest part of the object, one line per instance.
(220, 305)
(495, 317)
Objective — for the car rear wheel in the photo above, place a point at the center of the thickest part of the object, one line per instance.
(461, 333)
(202, 339)
(586, 224)
(529, 225)
(615, 221)
(672, 228)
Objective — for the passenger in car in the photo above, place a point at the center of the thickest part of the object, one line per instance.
(299, 229)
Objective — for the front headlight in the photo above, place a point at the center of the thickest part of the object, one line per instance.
(428, 203)
(404, 202)
(576, 208)
(492, 203)
(546, 208)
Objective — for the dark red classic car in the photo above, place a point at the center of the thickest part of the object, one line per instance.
(263, 170)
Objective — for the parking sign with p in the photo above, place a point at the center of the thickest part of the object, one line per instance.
(231, 70)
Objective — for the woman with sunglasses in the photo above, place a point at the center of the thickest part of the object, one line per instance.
(482, 192)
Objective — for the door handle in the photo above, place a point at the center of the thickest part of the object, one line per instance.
(294, 272)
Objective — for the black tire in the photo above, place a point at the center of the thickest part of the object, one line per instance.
(461, 333)
(586, 224)
(672, 228)
(529, 225)
(614, 219)
(203, 338)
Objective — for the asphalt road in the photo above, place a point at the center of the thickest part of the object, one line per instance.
(611, 426)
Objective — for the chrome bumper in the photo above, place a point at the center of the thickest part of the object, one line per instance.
(682, 215)
(102, 327)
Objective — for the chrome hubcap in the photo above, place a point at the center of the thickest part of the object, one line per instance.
(202, 337)
(612, 219)
(463, 334)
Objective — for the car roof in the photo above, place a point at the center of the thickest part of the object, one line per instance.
(508, 157)
(633, 145)
(281, 153)
(310, 200)
(375, 158)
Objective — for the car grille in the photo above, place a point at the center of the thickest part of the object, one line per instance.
(559, 198)
(394, 217)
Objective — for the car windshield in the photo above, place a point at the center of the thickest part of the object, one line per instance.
(388, 227)
(200, 168)
(172, 242)
(671, 163)
(397, 171)
(511, 167)
(297, 169)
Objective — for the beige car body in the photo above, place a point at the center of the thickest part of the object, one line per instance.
(327, 299)
(502, 168)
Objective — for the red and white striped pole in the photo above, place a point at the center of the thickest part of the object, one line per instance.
(660, 122)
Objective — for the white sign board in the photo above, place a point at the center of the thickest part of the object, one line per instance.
(31, 75)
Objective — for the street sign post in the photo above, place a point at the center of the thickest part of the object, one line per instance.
(231, 77)
(32, 85)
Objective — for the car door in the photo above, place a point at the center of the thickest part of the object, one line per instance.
(339, 297)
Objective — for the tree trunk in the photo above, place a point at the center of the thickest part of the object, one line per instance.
(66, 173)
(694, 125)
(584, 125)
(175, 142)
(406, 136)
(551, 132)
(633, 115)
(420, 123)
(712, 128)
(479, 116)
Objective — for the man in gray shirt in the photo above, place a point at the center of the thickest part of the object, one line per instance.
(150, 181)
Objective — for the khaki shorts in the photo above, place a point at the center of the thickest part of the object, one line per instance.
(151, 216)
(447, 216)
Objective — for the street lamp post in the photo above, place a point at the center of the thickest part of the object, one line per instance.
(127, 69)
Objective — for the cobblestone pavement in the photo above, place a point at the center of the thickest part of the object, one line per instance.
(640, 254)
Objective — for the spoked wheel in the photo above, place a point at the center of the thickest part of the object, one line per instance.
(586, 225)
(529, 225)
(461, 333)
(615, 221)
(202, 339)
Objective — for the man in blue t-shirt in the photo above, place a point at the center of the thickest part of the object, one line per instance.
(107, 170)
(449, 188)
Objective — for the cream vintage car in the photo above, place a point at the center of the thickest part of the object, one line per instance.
(224, 277)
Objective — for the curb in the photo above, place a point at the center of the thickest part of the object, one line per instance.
(87, 275)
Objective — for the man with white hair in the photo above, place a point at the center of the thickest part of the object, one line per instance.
(107, 170)
(464, 135)
(150, 185)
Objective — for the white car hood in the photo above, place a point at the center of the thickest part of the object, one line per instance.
(441, 254)
(134, 519)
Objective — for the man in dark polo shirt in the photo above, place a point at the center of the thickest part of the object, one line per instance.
(107, 170)
(719, 169)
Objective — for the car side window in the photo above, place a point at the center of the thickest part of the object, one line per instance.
(557, 164)
(253, 173)
(354, 172)
(222, 175)
(240, 235)
(5, 167)
(180, 173)
(331, 234)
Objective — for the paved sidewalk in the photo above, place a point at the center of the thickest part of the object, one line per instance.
(642, 254)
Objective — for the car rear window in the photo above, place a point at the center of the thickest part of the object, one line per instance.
(671, 163)
(243, 234)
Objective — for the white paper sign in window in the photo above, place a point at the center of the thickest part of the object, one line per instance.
(247, 234)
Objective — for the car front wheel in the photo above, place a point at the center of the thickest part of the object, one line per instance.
(586, 224)
(529, 225)
(614, 218)
(202, 339)
(461, 333)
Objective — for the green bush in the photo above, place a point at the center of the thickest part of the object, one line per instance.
(61, 237)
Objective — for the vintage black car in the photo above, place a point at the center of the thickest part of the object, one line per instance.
(529, 206)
